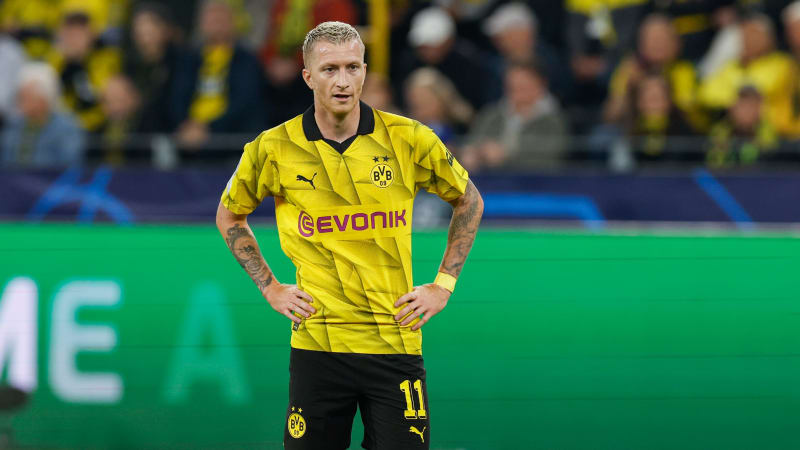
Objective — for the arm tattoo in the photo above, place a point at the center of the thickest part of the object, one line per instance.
(245, 249)
(463, 227)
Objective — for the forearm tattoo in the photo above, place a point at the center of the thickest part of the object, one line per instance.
(245, 249)
(463, 227)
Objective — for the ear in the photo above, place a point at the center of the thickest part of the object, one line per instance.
(307, 78)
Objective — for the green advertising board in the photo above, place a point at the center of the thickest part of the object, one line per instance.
(153, 337)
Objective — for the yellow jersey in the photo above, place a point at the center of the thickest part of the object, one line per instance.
(343, 212)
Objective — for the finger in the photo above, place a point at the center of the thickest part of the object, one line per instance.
(421, 322)
(405, 298)
(298, 309)
(304, 295)
(417, 312)
(301, 307)
(410, 307)
(294, 318)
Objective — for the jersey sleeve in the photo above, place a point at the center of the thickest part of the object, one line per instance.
(437, 171)
(255, 177)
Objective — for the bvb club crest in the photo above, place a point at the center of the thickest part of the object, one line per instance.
(296, 424)
(382, 175)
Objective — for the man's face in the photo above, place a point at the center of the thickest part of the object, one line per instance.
(31, 103)
(756, 40)
(149, 33)
(76, 40)
(336, 72)
(216, 22)
(658, 43)
(523, 89)
(746, 112)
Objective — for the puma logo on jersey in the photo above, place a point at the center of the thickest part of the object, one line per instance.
(311, 181)
(416, 431)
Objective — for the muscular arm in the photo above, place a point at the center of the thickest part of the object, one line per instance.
(467, 213)
(286, 299)
(429, 299)
(242, 243)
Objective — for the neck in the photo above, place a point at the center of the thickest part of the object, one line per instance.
(337, 127)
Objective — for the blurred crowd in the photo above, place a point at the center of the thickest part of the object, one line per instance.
(507, 85)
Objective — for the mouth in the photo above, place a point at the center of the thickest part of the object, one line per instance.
(342, 97)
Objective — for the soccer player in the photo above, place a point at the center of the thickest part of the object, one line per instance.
(344, 177)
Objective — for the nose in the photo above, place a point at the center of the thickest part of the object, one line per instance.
(341, 79)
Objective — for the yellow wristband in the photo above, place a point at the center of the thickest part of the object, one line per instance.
(446, 281)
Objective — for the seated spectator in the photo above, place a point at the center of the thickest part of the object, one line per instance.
(433, 100)
(657, 51)
(120, 102)
(377, 93)
(281, 54)
(526, 130)
(218, 89)
(151, 65)
(770, 71)
(84, 66)
(744, 136)
(435, 44)
(657, 129)
(42, 135)
(514, 30)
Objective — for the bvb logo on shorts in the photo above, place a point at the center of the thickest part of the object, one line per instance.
(382, 175)
(296, 424)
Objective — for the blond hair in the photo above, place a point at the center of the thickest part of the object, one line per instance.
(333, 32)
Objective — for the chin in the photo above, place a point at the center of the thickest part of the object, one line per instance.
(342, 108)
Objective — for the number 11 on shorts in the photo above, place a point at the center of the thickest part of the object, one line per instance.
(410, 412)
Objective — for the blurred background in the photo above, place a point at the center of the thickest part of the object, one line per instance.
(634, 284)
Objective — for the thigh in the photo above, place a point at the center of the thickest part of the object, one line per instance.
(322, 402)
(394, 404)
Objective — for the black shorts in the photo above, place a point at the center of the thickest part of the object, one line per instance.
(325, 389)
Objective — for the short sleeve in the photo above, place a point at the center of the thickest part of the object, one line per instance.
(437, 171)
(255, 177)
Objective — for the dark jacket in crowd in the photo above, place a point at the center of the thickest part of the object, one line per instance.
(154, 82)
(244, 91)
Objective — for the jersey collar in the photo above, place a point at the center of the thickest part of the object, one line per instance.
(366, 124)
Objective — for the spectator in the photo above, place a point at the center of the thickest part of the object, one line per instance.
(377, 93)
(282, 56)
(219, 89)
(84, 66)
(42, 135)
(514, 30)
(656, 128)
(744, 136)
(770, 71)
(120, 102)
(525, 130)
(435, 44)
(433, 100)
(151, 65)
(658, 48)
